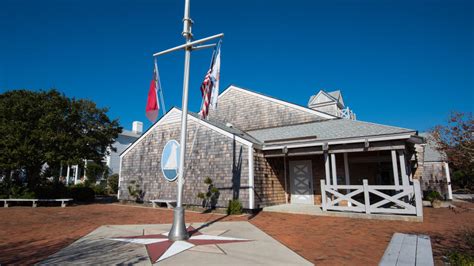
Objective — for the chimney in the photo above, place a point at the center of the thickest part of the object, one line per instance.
(137, 127)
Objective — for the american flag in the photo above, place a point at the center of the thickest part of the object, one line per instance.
(210, 85)
(206, 91)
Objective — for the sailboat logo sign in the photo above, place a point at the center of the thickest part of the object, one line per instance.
(170, 160)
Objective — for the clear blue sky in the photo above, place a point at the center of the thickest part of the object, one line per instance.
(402, 63)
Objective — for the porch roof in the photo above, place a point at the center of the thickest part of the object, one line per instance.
(327, 130)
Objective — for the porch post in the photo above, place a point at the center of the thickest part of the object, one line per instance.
(286, 183)
(334, 173)
(67, 174)
(403, 169)
(326, 168)
(76, 174)
(346, 171)
(448, 181)
(346, 174)
(395, 168)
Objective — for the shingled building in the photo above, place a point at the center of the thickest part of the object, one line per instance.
(265, 151)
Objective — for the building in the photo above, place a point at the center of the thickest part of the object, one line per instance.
(75, 173)
(123, 141)
(265, 151)
(433, 168)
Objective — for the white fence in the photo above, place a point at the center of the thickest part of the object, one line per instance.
(373, 199)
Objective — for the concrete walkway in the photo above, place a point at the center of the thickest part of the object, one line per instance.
(317, 211)
(119, 244)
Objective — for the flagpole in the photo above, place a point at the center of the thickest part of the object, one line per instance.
(178, 230)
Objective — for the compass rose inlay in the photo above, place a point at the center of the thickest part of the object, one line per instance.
(159, 247)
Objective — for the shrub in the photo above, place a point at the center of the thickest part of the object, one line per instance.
(135, 191)
(82, 193)
(209, 198)
(235, 207)
(99, 189)
(112, 183)
(434, 195)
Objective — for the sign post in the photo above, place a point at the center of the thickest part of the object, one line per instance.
(178, 229)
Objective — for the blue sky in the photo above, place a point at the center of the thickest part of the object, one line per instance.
(402, 63)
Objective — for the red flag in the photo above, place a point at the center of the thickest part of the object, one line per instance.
(152, 106)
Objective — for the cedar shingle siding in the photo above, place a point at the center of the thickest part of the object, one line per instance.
(249, 112)
(214, 155)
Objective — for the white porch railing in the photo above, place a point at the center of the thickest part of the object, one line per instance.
(373, 198)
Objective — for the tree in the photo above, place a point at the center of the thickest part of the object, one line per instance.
(456, 141)
(47, 127)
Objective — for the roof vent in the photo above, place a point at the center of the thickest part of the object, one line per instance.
(229, 125)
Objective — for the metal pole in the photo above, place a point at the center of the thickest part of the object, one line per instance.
(178, 230)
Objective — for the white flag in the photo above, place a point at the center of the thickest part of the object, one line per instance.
(215, 77)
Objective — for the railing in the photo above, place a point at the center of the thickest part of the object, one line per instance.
(367, 198)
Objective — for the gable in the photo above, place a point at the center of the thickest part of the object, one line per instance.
(174, 117)
(249, 110)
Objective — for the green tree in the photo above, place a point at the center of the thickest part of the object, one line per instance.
(47, 127)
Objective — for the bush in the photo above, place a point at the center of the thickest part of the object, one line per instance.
(112, 183)
(209, 198)
(99, 189)
(434, 195)
(235, 207)
(82, 193)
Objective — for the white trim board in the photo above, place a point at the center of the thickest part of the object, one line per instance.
(174, 115)
(287, 104)
(334, 142)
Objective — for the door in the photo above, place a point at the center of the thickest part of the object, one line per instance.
(301, 177)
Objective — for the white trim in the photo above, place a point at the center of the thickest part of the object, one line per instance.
(291, 105)
(161, 121)
(333, 169)
(395, 169)
(120, 177)
(223, 132)
(175, 111)
(448, 181)
(344, 141)
(251, 178)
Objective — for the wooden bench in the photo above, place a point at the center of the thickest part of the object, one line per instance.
(405, 249)
(169, 203)
(34, 201)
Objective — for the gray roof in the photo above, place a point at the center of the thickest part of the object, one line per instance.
(129, 133)
(232, 130)
(327, 130)
(431, 153)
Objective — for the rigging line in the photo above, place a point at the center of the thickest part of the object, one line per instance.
(196, 131)
(158, 85)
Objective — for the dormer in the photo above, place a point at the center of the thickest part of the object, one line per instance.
(331, 103)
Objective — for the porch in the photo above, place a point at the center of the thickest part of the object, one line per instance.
(369, 179)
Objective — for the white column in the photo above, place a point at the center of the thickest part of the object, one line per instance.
(327, 169)
(251, 177)
(67, 174)
(85, 168)
(346, 171)
(395, 168)
(333, 168)
(346, 174)
(403, 169)
(448, 181)
(76, 173)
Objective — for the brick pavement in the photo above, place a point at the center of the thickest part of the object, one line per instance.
(28, 235)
